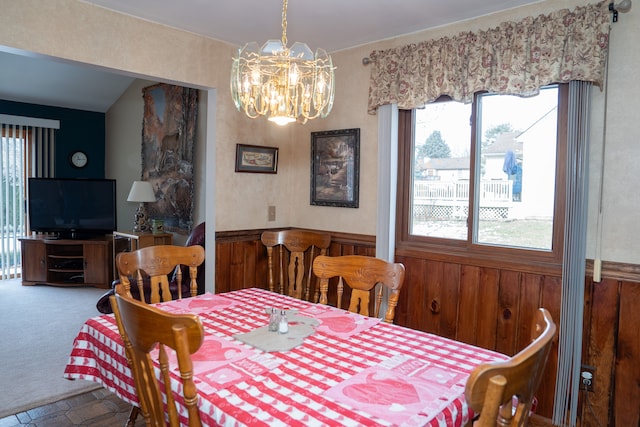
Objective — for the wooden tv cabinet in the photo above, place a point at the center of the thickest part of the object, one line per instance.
(67, 262)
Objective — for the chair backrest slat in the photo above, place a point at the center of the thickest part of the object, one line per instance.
(292, 246)
(363, 275)
(158, 262)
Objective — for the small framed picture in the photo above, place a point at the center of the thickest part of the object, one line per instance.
(335, 168)
(257, 159)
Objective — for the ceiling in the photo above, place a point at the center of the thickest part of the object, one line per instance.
(333, 25)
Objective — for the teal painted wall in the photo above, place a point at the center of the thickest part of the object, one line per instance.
(79, 130)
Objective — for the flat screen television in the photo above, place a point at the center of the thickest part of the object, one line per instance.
(72, 208)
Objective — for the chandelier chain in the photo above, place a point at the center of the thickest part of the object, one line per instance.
(284, 22)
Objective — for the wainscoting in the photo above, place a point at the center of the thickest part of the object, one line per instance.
(492, 307)
(241, 258)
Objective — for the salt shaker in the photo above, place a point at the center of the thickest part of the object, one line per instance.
(283, 326)
(274, 320)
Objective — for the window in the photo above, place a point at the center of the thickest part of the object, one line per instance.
(486, 176)
(12, 193)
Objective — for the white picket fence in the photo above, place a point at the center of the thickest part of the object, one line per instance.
(449, 199)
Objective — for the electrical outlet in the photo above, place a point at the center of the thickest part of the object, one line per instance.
(587, 378)
(271, 213)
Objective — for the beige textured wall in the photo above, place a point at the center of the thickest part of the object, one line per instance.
(79, 32)
(620, 232)
(242, 198)
(123, 153)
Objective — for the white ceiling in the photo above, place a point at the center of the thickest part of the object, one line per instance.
(329, 24)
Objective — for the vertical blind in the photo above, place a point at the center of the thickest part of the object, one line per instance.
(573, 266)
(27, 149)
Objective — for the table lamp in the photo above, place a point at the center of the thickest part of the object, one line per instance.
(141, 191)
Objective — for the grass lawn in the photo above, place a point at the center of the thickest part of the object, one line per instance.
(527, 233)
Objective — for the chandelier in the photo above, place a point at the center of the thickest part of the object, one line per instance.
(285, 85)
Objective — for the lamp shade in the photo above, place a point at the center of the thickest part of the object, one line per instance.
(141, 191)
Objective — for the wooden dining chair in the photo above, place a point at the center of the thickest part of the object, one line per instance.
(291, 248)
(491, 388)
(157, 263)
(151, 267)
(363, 275)
(143, 326)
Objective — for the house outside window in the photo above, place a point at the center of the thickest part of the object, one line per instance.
(483, 174)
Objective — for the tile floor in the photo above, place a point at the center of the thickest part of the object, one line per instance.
(101, 408)
(98, 408)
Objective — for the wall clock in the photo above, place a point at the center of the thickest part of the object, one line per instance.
(78, 159)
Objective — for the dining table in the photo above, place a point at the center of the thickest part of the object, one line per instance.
(331, 368)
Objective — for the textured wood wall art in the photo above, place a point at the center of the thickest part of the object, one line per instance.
(168, 138)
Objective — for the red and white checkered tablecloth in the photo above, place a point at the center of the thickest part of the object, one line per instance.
(380, 374)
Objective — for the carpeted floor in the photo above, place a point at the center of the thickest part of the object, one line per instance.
(37, 328)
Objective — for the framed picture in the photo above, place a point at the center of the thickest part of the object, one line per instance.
(253, 158)
(335, 168)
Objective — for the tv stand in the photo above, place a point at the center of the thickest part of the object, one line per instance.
(51, 260)
(74, 235)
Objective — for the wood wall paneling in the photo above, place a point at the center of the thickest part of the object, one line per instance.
(433, 282)
(486, 320)
(508, 312)
(468, 304)
(450, 295)
(600, 350)
(222, 278)
(411, 308)
(544, 291)
(627, 366)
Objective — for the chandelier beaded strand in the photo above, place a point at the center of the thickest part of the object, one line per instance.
(285, 85)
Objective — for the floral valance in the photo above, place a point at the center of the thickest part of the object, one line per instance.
(514, 58)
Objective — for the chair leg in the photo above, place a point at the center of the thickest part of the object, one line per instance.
(133, 415)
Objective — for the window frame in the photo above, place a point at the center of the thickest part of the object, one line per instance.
(477, 253)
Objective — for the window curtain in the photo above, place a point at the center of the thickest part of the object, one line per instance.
(515, 58)
(27, 149)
